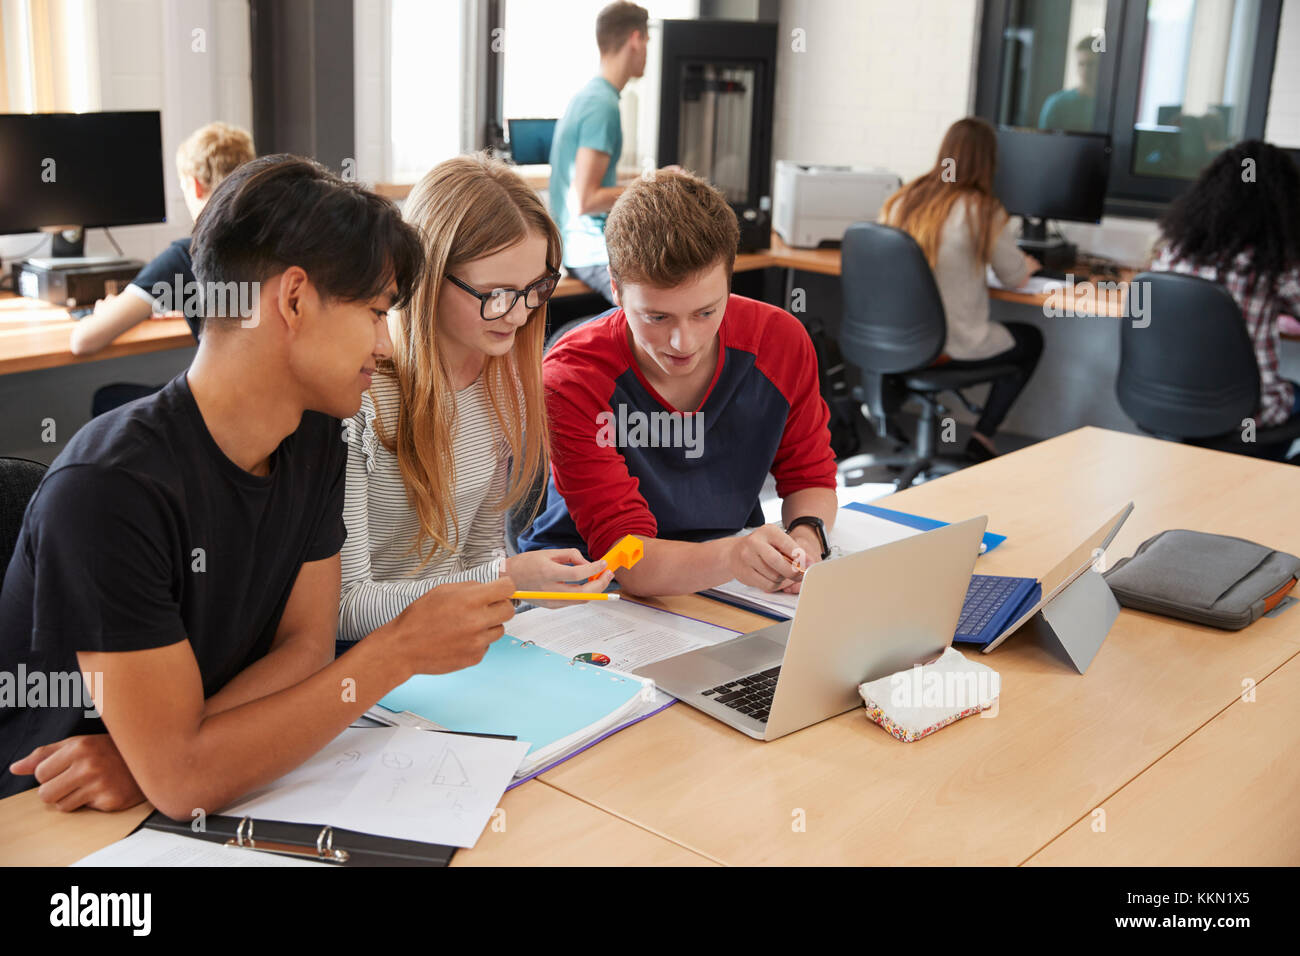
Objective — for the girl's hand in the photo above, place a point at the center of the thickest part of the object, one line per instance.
(557, 569)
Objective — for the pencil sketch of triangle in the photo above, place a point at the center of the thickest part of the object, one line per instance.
(450, 772)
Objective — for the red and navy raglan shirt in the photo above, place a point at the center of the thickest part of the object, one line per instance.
(763, 413)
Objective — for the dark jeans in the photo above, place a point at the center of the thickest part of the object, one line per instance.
(1024, 356)
(595, 278)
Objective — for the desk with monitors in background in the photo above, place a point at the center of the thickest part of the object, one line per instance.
(64, 173)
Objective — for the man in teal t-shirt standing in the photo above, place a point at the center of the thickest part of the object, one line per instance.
(588, 142)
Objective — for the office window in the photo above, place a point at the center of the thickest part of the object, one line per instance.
(49, 57)
(549, 57)
(1174, 82)
(1195, 84)
(425, 86)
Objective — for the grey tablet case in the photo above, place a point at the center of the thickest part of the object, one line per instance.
(1204, 578)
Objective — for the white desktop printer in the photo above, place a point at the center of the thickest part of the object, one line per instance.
(813, 204)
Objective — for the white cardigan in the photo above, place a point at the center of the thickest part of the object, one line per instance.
(963, 287)
(381, 574)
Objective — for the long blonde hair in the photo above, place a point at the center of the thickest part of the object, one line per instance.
(968, 157)
(465, 208)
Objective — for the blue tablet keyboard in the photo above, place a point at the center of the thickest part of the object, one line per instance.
(993, 602)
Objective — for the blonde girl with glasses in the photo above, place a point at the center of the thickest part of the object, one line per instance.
(452, 433)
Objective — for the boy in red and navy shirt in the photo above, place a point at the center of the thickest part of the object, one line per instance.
(668, 413)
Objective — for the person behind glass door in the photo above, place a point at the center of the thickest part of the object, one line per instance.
(1074, 109)
(962, 228)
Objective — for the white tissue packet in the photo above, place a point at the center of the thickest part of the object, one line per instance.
(914, 703)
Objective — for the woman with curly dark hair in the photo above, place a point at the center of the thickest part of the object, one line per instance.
(1239, 226)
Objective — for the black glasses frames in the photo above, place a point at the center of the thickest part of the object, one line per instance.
(497, 303)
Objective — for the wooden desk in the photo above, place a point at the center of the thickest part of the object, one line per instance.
(829, 261)
(998, 790)
(537, 176)
(35, 335)
(1176, 813)
(745, 262)
(542, 827)
(1154, 733)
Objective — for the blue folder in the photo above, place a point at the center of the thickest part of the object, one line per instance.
(519, 690)
(991, 540)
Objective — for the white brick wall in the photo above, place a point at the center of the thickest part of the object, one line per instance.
(879, 85)
(879, 82)
(147, 62)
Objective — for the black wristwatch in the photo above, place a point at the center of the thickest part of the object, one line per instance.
(818, 525)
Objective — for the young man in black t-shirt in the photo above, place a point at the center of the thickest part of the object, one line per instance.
(180, 560)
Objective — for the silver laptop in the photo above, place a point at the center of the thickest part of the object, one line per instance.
(859, 618)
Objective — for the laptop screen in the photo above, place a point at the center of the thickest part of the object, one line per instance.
(530, 140)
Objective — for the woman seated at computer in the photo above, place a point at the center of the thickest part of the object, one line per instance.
(962, 228)
(1237, 226)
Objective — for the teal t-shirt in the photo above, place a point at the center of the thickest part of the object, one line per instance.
(1068, 110)
(591, 120)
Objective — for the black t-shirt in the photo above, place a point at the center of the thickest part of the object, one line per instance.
(143, 534)
(174, 268)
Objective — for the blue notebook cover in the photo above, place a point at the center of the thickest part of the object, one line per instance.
(520, 690)
(991, 540)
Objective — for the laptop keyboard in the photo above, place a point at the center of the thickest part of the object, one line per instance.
(751, 696)
(985, 598)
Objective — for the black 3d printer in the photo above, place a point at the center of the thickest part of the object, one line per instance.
(715, 81)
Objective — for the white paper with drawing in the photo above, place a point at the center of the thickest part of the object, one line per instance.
(155, 848)
(630, 635)
(854, 531)
(394, 782)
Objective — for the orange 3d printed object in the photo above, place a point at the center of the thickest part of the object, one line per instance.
(625, 553)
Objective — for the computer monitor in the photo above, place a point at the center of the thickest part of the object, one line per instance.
(530, 140)
(80, 169)
(1052, 175)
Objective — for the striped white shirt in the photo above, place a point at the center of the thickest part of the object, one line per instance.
(381, 572)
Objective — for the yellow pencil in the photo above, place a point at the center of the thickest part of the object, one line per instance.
(562, 596)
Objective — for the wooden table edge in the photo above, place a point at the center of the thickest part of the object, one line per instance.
(1153, 766)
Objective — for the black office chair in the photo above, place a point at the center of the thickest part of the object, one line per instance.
(1190, 375)
(18, 480)
(894, 327)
